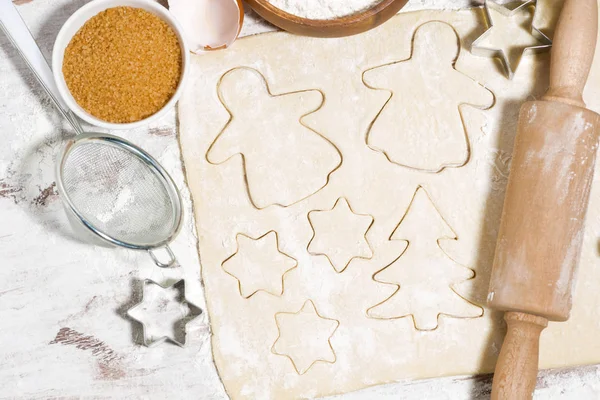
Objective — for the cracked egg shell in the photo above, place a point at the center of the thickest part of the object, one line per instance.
(209, 24)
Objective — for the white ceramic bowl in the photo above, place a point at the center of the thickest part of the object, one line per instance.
(76, 21)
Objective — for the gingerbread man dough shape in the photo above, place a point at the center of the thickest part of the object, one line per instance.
(284, 161)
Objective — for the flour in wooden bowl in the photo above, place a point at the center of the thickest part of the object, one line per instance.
(323, 9)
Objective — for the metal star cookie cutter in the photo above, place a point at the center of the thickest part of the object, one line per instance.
(478, 50)
(193, 312)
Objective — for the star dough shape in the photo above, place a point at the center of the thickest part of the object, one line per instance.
(259, 265)
(340, 234)
(510, 35)
(188, 312)
(304, 337)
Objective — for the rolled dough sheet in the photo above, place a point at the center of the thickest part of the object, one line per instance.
(387, 279)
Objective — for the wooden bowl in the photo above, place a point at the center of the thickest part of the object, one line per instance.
(343, 26)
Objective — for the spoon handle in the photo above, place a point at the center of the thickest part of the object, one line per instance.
(15, 29)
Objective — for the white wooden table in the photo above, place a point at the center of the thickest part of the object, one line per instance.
(64, 332)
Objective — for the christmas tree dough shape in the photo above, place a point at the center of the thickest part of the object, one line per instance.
(425, 275)
(429, 134)
(284, 161)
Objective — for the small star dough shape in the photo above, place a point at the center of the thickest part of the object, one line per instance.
(284, 161)
(304, 337)
(426, 135)
(340, 234)
(258, 265)
(510, 32)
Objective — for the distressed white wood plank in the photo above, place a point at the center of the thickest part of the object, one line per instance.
(63, 327)
(63, 302)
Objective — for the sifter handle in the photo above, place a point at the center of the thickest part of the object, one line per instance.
(573, 51)
(172, 261)
(516, 370)
(15, 29)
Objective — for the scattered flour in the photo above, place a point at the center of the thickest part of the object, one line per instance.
(330, 9)
(323, 9)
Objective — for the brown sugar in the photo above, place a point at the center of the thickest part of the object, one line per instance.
(123, 65)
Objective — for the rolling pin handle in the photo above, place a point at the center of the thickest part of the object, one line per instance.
(573, 51)
(517, 366)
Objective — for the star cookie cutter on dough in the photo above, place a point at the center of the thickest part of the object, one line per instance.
(479, 50)
(194, 312)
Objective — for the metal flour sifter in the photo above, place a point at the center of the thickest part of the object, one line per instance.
(113, 188)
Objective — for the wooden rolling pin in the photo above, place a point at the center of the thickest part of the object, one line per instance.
(541, 232)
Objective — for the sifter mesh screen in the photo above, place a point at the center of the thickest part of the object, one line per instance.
(119, 194)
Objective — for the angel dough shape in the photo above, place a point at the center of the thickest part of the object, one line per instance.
(427, 135)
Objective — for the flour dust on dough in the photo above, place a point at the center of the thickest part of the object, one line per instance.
(363, 351)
